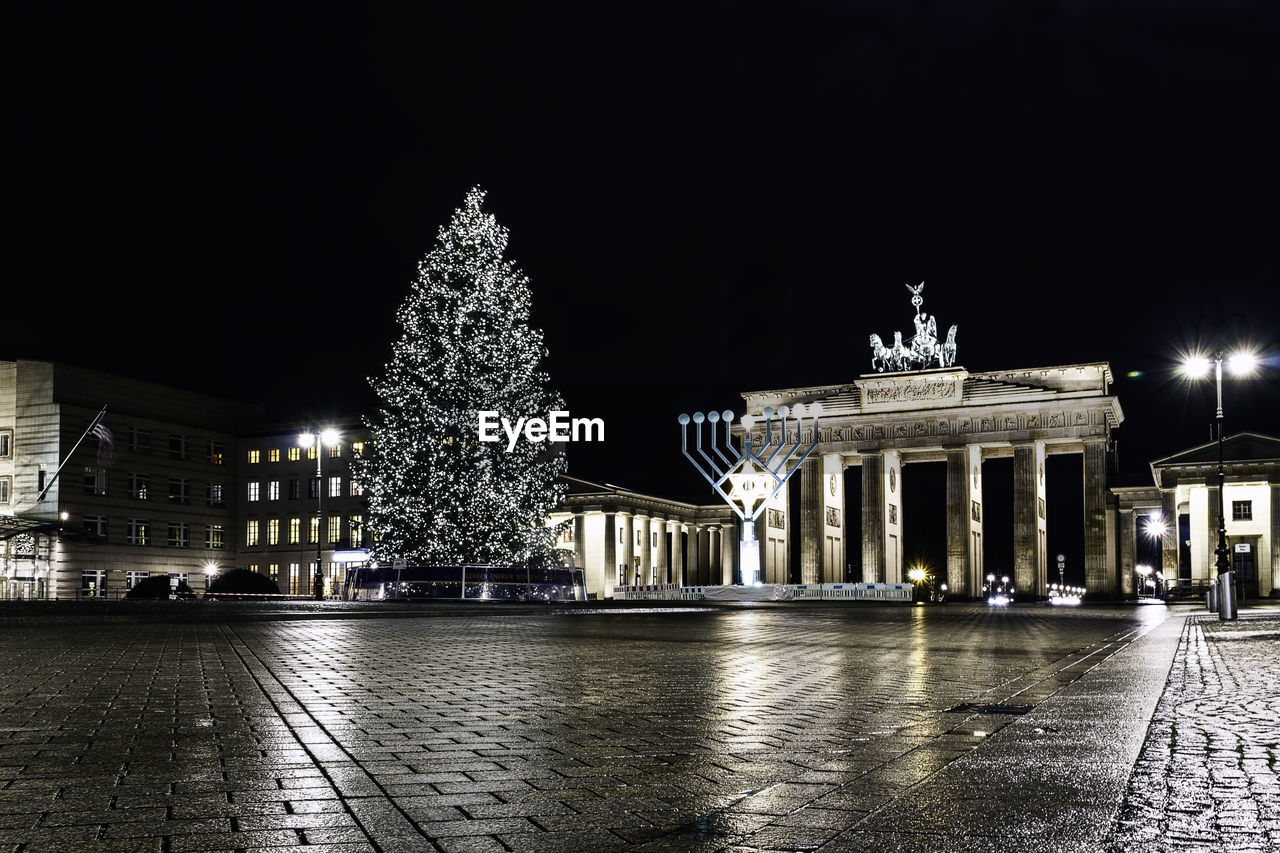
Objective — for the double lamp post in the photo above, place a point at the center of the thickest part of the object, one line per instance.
(318, 441)
(1197, 367)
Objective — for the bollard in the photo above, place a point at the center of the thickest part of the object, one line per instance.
(1226, 599)
(1212, 597)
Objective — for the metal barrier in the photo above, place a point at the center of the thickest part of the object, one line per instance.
(888, 592)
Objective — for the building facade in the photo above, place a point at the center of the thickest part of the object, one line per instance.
(620, 537)
(298, 504)
(1181, 508)
(154, 495)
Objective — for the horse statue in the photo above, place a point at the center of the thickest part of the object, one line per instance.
(948, 354)
(899, 355)
(879, 354)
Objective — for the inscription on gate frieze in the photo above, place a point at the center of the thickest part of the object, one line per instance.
(914, 392)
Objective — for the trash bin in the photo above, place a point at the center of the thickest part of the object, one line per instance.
(1226, 596)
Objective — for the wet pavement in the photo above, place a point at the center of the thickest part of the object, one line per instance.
(781, 727)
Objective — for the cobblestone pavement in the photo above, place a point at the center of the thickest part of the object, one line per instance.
(740, 728)
(1208, 778)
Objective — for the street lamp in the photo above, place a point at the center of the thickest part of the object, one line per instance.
(318, 440)
(1195, 367)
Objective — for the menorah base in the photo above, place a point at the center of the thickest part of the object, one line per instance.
(749, 561)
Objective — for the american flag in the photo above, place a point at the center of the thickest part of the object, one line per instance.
(106, 440)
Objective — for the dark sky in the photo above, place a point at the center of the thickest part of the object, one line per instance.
(709, 197)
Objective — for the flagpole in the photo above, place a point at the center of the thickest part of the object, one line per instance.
(49, 485)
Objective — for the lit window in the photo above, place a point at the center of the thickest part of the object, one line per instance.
(216, 452)
(273, 490)
(255, 456)
(357, 448)
(213, 494)
(179, 534)
(335, 528)
(273, 455)
(293, 579)
(273, 571)
(253, 491)
(335, 451)
(335, 487)
(357, 531)
(214, 536)
(295, 531)
(356, 491)
(140, 487)
(313, 534)
(295, 453)
(273, 531)
(1242, 510)
(251, 532)
(311, 452)
(139, 531)
(566, 535)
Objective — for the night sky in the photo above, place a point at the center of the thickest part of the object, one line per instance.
(709, 197)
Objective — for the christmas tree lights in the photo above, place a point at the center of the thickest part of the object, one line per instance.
(437, 495)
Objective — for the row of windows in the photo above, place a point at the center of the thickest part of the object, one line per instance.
(179, 446)
(294, 454)
(333, 489)
(297, 580)
(142, 531)
(268, 531)
(97, 482)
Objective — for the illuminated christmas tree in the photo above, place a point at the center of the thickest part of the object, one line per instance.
(438, 495)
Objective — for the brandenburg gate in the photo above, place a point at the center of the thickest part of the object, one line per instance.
(920, 407)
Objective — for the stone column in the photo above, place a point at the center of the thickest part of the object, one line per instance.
(645, 549)
(1097, 580)
(677, 553)
(610, 553)
(1269, 570)
(660, 553)
(873, 489)
(695, 555)
(1169, 544)
(964, 520)
(1029, 511)
(811, 520)
(580, 540)
(626, 546)
(713, 554)
(1211, 530)
(1129, 552)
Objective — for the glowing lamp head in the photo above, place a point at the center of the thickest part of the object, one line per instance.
(727, 416)
(683, 419)
(1242, 363)
(748, 421)
(306, 439)
(698, 417)
(329, 437)
(713, 417)
(1197, 366)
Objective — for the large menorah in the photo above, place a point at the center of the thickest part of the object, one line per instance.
(753, 479)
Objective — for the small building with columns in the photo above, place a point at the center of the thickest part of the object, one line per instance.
(880, 422)
(1184, 499)
(620, 537)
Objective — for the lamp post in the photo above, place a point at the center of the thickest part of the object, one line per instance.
(1240, 364)
(319, 440)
